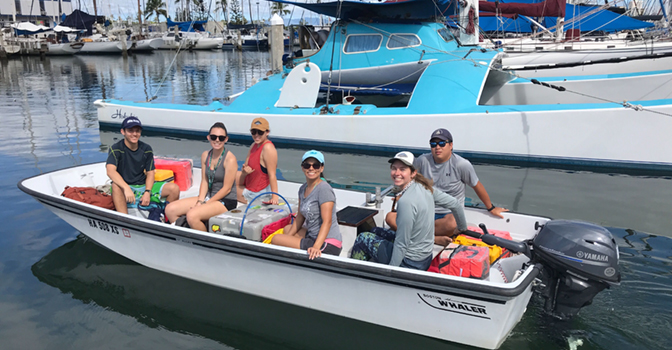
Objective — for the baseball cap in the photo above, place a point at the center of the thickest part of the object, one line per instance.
(405, 157)
(131, 122)
(313, 154)
(260, 124)
(442, 134)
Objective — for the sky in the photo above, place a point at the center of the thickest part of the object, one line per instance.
(129, 8)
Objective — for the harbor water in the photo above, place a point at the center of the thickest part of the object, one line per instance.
(60, 290)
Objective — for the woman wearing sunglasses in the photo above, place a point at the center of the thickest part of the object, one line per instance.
(411, 246)
(217, 193)
(317, 209)
(258, 172)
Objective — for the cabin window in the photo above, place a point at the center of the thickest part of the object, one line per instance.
(170, 35)
(446, 35)
(399, 41)
(357, 43)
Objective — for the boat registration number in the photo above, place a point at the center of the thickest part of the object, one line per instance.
(103, 226)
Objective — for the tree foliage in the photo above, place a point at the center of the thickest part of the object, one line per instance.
(155, 7)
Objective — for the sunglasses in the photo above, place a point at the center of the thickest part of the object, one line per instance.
(257, 132)
(440, 144)
(309, 165)
(214, 137)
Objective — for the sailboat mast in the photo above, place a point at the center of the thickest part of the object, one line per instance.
(95, 9)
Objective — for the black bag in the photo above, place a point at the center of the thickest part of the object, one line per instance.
(182, 221)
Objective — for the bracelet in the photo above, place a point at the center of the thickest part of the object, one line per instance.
(492, 207)
(148, 191)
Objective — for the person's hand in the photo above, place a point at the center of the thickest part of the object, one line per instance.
(442, 240)
(247, 169)
(129, 194)
(274, 200)
(198, 202)
(144, 200)
(498, 212)
(314, 253)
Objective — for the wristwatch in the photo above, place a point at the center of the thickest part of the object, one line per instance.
(492, 207)
(148, 191)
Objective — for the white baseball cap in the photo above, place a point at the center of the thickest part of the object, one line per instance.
(404, 157)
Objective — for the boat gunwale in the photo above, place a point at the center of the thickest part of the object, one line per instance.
(377, 272)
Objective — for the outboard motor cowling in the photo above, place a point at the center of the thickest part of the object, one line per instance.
(579, 259)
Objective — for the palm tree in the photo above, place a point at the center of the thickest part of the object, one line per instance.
(155, 7)
(279, 8)
(224, 6)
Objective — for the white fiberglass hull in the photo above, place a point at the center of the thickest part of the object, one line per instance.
(95, 47)
(621, 66)
(64, 49)
(418, 302)
(147, 44)
(555, 134)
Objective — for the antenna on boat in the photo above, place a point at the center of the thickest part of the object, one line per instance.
(333, 48)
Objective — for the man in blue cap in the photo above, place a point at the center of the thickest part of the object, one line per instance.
(130, 166)
(451, 173)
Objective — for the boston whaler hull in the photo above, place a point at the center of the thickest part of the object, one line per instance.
(424, 303)
(573, 260)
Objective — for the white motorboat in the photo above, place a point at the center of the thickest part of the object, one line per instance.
(98, 44)
(191, 41)
(573, 260)
(146, 45)
(64, 49)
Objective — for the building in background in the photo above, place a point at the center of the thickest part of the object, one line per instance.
(44, 12)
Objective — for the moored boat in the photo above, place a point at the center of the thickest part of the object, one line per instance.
(425, 303)
(418, 76)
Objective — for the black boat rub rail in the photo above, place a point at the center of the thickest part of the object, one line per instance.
(373, 271)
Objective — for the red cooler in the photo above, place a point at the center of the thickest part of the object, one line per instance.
(181, 168)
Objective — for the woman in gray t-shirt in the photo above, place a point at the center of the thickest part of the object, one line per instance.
(317, 209)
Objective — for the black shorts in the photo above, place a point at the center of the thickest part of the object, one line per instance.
(326, 247)
(230, 204)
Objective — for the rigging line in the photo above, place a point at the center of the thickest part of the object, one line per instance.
(163, 79)
(333, 48)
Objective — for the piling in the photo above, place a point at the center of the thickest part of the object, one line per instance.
(277, 43)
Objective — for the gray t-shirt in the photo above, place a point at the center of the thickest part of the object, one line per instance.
(449, 177)
(415, 222)
(310, 209)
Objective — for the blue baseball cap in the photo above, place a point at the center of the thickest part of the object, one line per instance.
(442, 134)
(313, 154)
(131, 122)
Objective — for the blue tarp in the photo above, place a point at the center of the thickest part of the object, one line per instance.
(82, 20)
(191, 26)
(603, 20)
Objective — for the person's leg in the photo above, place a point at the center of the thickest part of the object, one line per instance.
(196, 216)
(445, 226)
(119, 199)
(391, 220)
(292, 241)
(240, 187)
(366, 246)
(180, 207)
(170, 191)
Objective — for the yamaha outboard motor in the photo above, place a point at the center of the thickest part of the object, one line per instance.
(579, 259)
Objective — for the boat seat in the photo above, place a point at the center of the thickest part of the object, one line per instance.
(352, 221)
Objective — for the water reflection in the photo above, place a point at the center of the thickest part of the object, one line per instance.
(91, 273)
